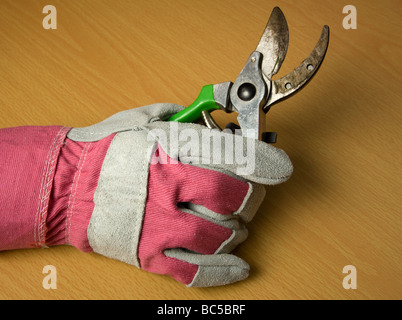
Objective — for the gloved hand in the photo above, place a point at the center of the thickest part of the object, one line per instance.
(169, 198)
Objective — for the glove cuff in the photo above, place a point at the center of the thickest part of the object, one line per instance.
(28, 161)
(71, 198)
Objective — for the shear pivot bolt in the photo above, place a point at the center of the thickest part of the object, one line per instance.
(246, 91)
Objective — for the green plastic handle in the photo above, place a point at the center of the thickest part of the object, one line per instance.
(204, 102)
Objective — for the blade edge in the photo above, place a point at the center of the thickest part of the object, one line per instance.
(274, 43)
(294, 81)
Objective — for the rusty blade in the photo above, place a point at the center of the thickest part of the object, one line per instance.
(295, 80)
(274, 43)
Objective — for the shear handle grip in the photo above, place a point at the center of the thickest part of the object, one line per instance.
(204, 102)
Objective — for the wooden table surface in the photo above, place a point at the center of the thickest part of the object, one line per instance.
(342, 205)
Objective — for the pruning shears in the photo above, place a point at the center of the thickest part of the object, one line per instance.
(254, 92)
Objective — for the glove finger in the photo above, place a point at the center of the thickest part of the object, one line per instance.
(184, 183)
(182, 230)
(216, 192)
(246, 212)
(213, 270)
(239, 231)
(197, 234)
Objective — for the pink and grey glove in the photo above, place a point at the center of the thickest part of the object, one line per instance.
(168, 198)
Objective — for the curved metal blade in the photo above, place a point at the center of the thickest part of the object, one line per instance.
(295, 80)
(274, 43)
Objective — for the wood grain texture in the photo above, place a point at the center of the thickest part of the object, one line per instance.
(343, 133)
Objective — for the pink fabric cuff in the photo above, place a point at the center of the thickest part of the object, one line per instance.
(28, 158)
(47, 183)
(71, 201)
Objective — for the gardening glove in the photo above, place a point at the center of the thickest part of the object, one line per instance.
(169, 198)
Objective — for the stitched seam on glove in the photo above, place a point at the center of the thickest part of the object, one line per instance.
(46, 186)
